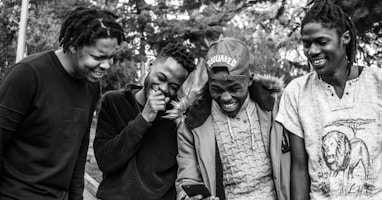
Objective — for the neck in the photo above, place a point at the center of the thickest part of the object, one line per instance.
(338, 80)
(341, 76)
(66, 61)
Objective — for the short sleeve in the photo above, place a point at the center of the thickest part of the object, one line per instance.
(17, 90)
(288, 114)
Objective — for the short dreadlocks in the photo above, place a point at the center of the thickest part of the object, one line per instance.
(330, 15)
(180, 53)
(84, 26)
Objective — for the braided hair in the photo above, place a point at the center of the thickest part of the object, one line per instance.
(84, 26)
(180, 53)
(330, 15)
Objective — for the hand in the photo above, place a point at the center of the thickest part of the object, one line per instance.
(199, 197)
(156, 101)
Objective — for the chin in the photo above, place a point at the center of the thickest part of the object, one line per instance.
(231, 113)
(92, 80)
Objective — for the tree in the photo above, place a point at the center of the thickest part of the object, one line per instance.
(9, 17)
(44, 23)
(123, 71)
(150, 27)
(45, 17)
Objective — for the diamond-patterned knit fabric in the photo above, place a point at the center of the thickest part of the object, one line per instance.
(246, 165)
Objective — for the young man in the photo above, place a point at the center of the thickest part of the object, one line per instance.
(135, 146)
(333, 115)
(229, 141)
(47, 102)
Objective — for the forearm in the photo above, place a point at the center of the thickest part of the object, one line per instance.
(113, 150)
(300, 179)
(188, 170)
(77, 184)
(300, 183)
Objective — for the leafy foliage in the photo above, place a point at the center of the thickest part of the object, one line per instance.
(9, 17)
(269, 27)
(123, 71)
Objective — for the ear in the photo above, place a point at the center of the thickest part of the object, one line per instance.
(346, 38)
(72, 49)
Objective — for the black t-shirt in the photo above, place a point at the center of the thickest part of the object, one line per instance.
(44, 123)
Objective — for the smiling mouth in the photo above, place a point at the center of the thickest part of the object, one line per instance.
(318, 62)
(229, 106)
(97, 74)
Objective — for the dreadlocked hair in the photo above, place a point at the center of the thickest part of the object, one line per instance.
(84, 26)
(330, 15)
(180, 53)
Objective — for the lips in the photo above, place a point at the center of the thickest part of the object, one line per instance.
(97, 74)
(229, 106)
(318, 61)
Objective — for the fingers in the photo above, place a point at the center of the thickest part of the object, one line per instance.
(158, 101)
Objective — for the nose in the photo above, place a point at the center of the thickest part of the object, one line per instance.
(105, 64)
(313, 49)
(164, 88)
(226, 96)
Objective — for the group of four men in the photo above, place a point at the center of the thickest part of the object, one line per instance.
(322, 142)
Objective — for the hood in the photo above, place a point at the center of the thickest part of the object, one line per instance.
(194, 108)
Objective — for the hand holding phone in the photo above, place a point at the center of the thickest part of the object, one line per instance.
(196, 189)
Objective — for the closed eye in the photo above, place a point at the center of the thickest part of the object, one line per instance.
(162, 77)
(322, 42)
(216, 90)
(101, 57)
(174, 87)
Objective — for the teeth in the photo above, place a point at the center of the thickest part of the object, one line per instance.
(98, 73)
(318, 61)
(231, 105)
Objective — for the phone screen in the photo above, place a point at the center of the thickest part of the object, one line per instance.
(196, 189)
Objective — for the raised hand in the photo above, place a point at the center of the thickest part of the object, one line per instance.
(156, 101)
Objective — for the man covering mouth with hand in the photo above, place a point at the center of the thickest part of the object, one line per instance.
(134, 146)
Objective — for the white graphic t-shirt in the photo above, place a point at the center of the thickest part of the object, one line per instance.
(343, 136)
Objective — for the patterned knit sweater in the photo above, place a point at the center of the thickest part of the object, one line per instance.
(246, 164)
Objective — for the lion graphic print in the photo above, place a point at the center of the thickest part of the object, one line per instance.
(348, 158)
(342, 135)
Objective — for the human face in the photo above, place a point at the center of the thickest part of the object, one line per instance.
(166, 76)
(92, 61)
(325, 50)
(229, 94)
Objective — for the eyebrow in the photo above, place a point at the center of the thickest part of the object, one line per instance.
(315, 38)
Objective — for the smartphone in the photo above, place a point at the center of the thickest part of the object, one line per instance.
(196, 189)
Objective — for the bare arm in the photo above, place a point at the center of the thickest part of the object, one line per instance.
(300, 180)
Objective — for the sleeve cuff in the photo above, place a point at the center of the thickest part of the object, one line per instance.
(289, 126)
(141, 122)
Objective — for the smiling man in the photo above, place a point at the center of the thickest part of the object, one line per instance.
(230, 142)
(47, 102)
(333, 114)
(135, 146)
